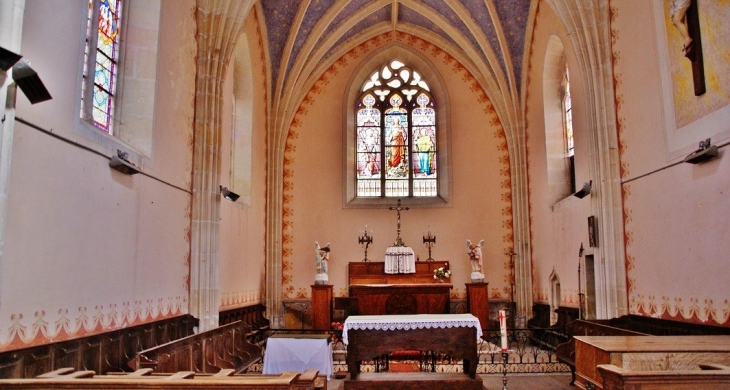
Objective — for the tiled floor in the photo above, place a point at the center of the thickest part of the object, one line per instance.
(514, 382)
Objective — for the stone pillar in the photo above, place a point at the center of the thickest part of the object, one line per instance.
(587, 24)
(219, 25)
(11, 29)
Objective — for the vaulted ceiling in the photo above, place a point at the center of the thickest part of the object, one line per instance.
(487, 36)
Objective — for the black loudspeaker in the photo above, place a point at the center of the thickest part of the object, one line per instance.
(29, 82)
(8, 58)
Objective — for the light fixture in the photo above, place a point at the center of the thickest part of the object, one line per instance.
(8, 58)
(705, 152)
(585, 190)
(29, 82)
(228, 194)
(121, 164)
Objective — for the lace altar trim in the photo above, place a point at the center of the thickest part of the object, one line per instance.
(414, 322)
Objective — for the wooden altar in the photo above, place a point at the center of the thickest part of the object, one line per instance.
(374, 273)
(368, 337)
(379, 293)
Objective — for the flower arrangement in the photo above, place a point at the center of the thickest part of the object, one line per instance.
(336, 332)
(440, 273)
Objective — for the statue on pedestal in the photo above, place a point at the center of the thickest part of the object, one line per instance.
(321, 257)
(475, 257)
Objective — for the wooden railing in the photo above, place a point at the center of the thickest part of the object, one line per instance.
(225, 347)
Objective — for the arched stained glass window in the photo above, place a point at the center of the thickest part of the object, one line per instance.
(101, 62)
(396, 135)
(568, 128)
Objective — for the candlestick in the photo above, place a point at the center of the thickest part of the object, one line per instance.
(365, 238)
(505, 356)
(503, 329)
(429, 240)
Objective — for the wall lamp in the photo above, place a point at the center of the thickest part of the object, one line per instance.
(585, 190)
(706, 152)
(228, 194)
(24, 76)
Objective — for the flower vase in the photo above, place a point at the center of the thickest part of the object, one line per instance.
(441, 280)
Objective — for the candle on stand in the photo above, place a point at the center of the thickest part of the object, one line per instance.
(503, 329)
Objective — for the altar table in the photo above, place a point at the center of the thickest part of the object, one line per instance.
(290, 353)
(400, 260)
(368, 337)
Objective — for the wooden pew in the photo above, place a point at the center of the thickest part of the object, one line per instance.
(709, 376)
(225, 347)
(565, 353)
(646, 353)
(144, 379)
(629, 325)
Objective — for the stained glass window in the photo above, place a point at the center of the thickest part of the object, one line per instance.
(396, 135)
(568, 116)
(568, 129)
(100, 62)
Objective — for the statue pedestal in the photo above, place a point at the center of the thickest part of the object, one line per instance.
(321, 306)
(321, 279)
(477, 302)
(477, 277)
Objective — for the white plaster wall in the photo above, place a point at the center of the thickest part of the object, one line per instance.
(675, 213)
(87, 248)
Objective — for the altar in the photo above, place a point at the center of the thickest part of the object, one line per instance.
(379, 292)
(370, 336)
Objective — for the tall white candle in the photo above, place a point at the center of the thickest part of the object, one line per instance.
(503, 329)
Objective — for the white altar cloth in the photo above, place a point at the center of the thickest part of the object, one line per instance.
(400, 260)
(411, 321)
(298, 354)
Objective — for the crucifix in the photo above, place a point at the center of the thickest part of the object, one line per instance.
(398, 240)
(685, 17)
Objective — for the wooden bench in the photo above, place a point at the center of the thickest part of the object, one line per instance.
(225, 347)
(144, 379)
(709, 376)
(646, 353)
(629, 325)
(565, 353)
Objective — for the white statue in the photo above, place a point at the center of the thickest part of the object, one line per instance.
(475, 257)
(321, 258)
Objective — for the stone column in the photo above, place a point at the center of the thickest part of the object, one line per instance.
(11, 29)
(219, 25)
(587, 24)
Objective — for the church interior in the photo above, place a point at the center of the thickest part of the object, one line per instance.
(161, 166)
